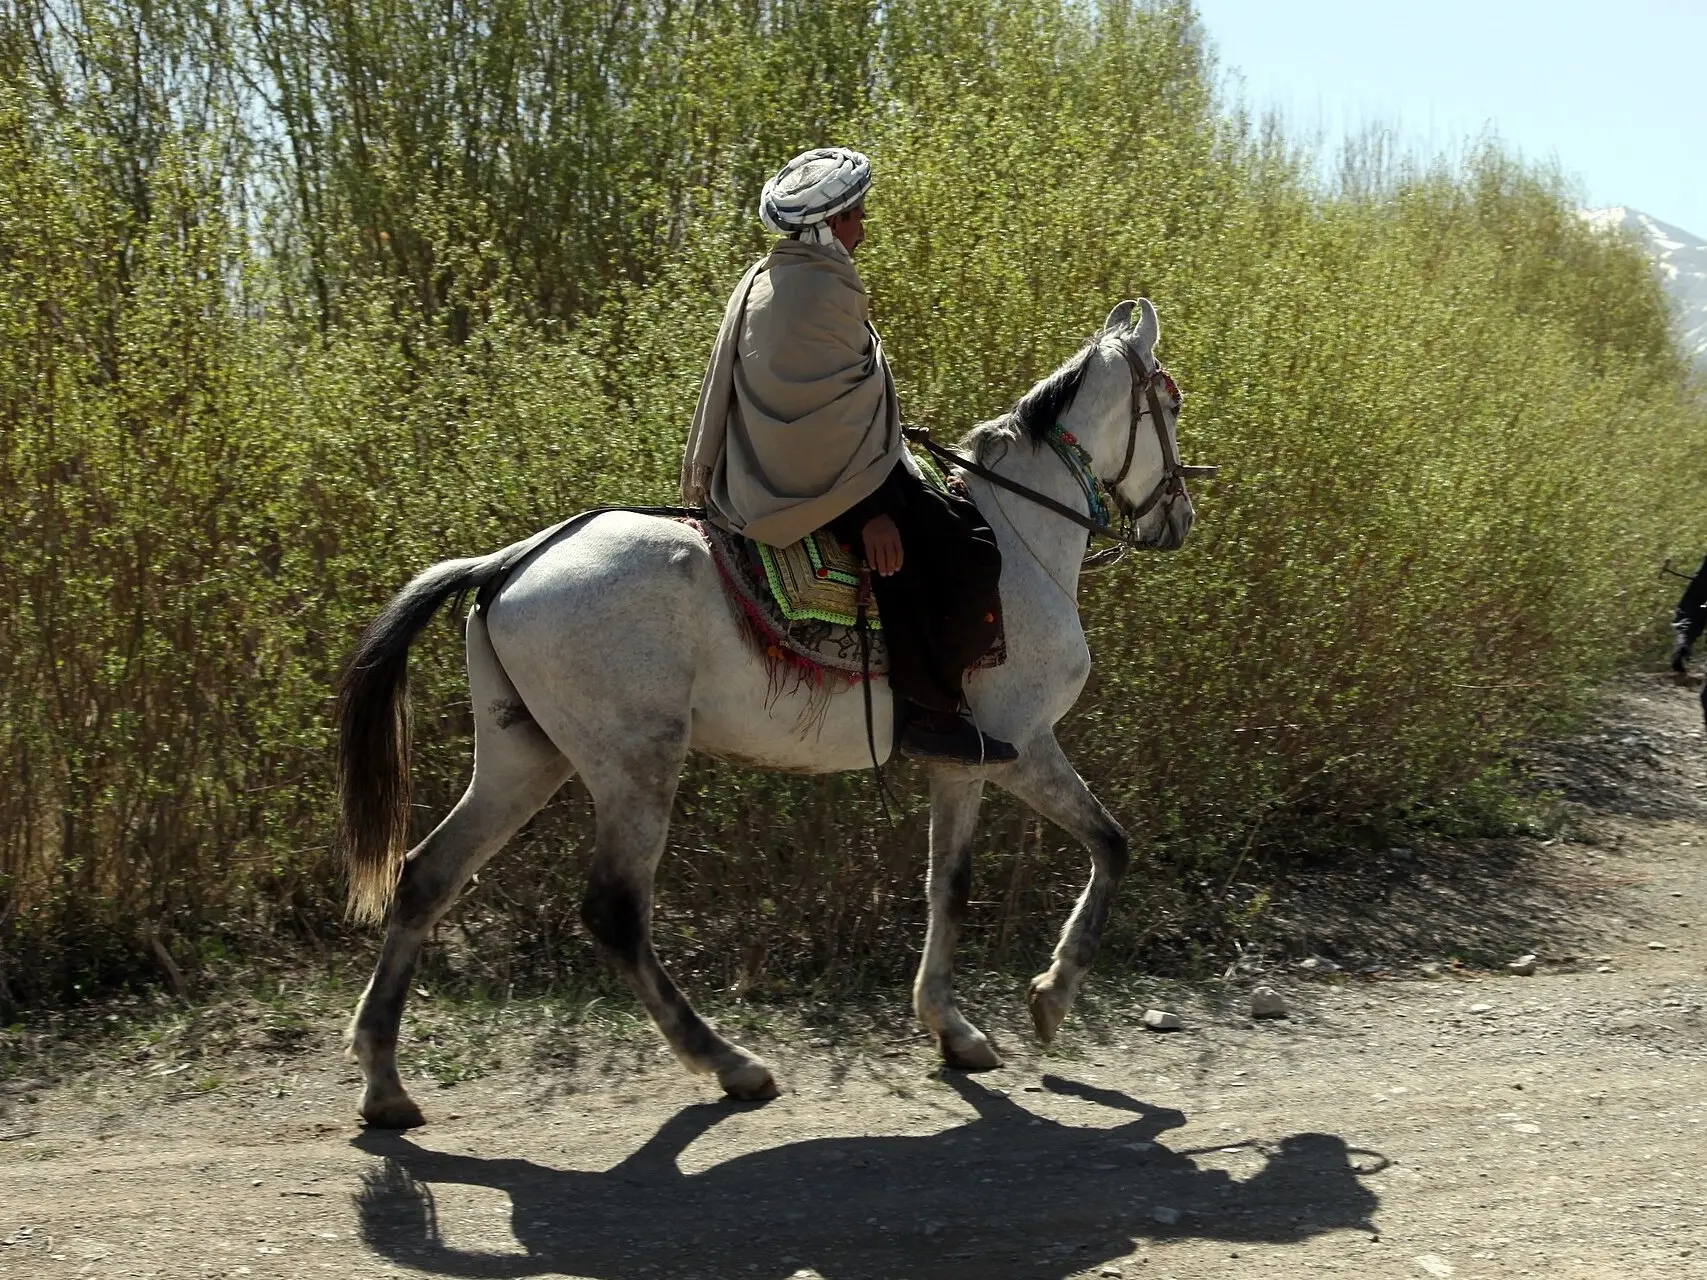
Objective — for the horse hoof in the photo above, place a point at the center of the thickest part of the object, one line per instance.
(1048, 1009)
(750, 1083)
(393, 1113)
(968, 1053)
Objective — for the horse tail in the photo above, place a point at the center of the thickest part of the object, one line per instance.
(372, 709)
(372, 717)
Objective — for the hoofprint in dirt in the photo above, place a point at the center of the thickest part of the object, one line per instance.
(1470, 1123)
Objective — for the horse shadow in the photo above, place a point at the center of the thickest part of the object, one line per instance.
(1007, 1194)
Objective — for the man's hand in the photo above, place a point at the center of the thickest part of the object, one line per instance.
(882, 545)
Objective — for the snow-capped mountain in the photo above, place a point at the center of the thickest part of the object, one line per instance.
(1682, 260)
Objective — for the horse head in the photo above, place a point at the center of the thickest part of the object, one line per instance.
(1126, 416)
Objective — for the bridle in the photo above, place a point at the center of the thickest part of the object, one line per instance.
(1169, 488)
(1171, 484)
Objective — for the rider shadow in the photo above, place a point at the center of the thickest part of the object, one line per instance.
(1007, 1194)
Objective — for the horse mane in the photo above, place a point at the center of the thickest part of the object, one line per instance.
(1036, 412)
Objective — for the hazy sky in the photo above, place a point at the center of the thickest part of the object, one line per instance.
(1613, 89)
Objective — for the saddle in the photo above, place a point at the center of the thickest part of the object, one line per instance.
(816, 580)
(800, 603)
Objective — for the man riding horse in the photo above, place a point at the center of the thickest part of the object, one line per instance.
(798, 429)
(1689, 619)
(607, 647)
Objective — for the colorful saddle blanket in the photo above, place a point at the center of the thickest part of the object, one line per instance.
(800, 604)
(816, 580)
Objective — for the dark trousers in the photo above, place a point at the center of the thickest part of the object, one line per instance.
(941, 609)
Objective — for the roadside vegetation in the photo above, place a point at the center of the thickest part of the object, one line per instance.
(299, 297)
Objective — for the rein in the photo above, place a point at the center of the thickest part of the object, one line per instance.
(921, 436)
(1170, 485)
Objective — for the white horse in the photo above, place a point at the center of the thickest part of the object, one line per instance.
(572, 668)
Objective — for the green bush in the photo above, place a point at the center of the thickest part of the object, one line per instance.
(301, 298)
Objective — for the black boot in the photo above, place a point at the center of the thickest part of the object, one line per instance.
(942, 735)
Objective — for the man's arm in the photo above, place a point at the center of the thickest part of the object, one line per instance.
(869, 524)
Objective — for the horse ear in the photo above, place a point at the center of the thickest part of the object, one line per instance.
(1120, 318)
(1148, 331)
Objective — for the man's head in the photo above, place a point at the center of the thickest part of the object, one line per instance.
(819, 196)
(849, 227)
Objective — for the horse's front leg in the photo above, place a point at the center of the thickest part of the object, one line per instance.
(1043, 778)
(955, 795)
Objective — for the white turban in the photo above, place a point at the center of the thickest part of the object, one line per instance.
(812, 188)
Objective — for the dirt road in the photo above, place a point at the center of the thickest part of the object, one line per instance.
(1413, 1120)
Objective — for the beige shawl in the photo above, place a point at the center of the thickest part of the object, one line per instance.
(797, 416)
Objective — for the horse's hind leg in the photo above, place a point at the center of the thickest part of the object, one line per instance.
(516, 770)
(632, 798)
(1044, 779)
(955, 795)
